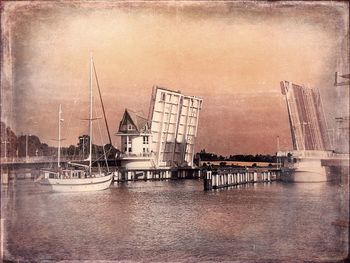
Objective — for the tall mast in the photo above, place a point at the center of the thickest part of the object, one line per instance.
(103, 107)
(104, 114)
(59, 137)
(90, 118)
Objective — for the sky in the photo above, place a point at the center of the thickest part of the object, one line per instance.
(231, 54)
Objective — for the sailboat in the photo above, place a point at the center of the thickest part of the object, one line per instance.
(84, 178)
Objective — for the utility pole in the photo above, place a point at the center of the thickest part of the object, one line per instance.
(26, 147)
(59, 136)
(278, 149)
(83, 138)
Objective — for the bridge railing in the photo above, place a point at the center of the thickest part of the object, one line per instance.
(32, 159)
(123, 155)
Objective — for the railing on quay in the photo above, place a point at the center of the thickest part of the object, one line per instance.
(134, 155)
(34, 159)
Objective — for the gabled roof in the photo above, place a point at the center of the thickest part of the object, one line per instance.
(139, 121)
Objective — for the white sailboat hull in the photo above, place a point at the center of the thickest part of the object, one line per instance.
(78, 184)
(72, 180)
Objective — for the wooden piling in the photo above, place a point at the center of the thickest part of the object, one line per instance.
(233, 177)
(4, 175)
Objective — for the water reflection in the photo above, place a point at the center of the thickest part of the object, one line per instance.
(178, 221)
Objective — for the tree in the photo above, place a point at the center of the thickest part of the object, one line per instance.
(71, 151)
(8, 141)
(222, 164)
(28, 144)
(111, 151)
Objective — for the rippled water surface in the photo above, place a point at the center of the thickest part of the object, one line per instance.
(177, 221)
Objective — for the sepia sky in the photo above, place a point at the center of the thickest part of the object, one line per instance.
(231, 54)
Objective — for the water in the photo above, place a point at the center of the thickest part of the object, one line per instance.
(177, 221)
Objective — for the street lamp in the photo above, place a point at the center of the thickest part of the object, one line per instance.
(278, 149)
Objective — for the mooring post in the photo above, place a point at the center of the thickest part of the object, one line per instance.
(213, 180)
(208, 181)
(5, 175)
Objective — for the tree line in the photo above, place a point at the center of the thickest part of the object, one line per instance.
(207, 156)
(30, 145)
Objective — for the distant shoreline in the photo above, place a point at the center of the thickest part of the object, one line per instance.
(238, 163)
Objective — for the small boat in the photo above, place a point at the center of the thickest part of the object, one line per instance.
(83, 178)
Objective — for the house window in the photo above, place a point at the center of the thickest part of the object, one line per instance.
(145, 139)
(129, 149)
(130, 127)
(162, 96)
